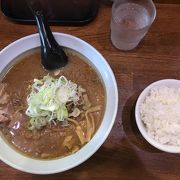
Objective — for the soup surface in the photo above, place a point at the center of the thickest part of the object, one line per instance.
(53, 140)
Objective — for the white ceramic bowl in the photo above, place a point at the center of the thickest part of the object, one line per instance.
(142, 129)
(20, 162)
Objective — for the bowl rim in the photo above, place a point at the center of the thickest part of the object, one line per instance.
(140, 125)
(99, 138)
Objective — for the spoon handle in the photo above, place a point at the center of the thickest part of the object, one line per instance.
(46, 36)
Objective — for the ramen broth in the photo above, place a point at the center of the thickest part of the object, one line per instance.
(49, 141)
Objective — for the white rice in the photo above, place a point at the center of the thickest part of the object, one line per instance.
(160, 112)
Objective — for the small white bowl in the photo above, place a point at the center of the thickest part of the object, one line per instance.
(26, 164)
(168, 83)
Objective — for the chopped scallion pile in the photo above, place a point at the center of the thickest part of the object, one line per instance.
(48, 98)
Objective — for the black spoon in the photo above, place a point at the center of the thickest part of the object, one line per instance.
(52, 54)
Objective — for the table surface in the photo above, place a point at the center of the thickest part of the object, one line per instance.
(125, 154)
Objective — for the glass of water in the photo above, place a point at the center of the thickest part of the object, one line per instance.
(130, 22)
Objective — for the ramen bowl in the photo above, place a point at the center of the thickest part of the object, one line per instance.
(36, 166)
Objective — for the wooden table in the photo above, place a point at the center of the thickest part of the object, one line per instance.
(125, 154)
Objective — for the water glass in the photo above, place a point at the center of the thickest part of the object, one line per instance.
(131, 20)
